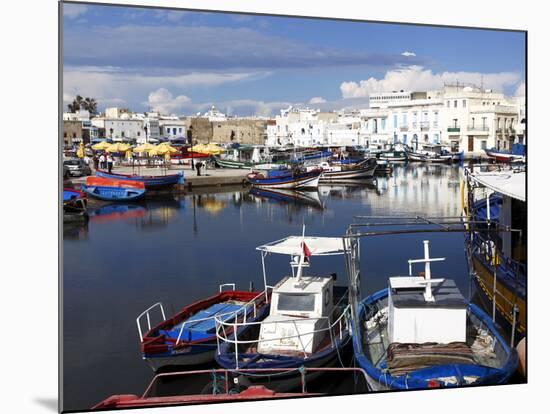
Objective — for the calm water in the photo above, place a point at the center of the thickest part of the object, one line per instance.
(178, 250)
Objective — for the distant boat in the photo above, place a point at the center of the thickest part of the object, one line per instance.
(113, 190)
(189, 337)
(309, 198)
(517, 154)
(359, 170)
(152, 182)
(285, 178)
(393, 155)
(74, 202)
(421, 333)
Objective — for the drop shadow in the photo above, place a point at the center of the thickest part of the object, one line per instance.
(49, 403)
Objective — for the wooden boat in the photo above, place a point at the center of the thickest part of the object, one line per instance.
(517, 154)
(308, 321)
(393, 156)
(359, 170)
(112, 191)
(225, 386)
(189, 337)
(427, 157)
(421, 333)
(498, 260)
(158, 182)
(114, 182)
(74, 206)
(383, 167)
(285, 178)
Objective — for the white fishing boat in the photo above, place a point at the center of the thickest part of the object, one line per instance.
(338, 172)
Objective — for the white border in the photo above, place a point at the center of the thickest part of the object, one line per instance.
(29, 201)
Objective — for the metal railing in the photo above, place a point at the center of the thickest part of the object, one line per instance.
(146, 313)
(478, 128)
(233, 315)
(341, 324)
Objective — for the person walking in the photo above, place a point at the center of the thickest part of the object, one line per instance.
(95, 161)
(102, 161)
(199, 166)
(110, 162)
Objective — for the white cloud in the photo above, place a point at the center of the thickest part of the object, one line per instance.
(418, 78)
(107, 84)
(317, 100)
(407, 53)
(164, 102)
(172, 16)
(72, 11)
(520, 91)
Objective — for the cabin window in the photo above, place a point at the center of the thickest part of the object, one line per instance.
(300, 303)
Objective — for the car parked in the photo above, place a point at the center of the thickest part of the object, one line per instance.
(77, 167)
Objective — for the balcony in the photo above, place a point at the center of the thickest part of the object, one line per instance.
(453, 130)
(481, 129)
(403, 127)
(424, 126)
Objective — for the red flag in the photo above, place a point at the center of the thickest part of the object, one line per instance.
(307, 253)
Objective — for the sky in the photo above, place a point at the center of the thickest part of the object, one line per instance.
(183, 62)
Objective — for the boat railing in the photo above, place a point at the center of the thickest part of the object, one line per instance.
(146, 313)
(228, 331)
(226, 373)
(249, 307)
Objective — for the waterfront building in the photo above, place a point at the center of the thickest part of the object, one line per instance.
(124, 128)
(172, 127)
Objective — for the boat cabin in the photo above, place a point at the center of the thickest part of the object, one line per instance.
(298, 309)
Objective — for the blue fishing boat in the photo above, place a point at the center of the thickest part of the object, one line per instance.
(516, 154)
(308, 320)
(108, 193)
(420, 332)
(151, 182)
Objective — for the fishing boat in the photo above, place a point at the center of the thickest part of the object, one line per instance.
(223, 386)
(394, 155)
(383, 167)
(359, 170)
(285, 178)
(421, 333)
(433, 153)
(498, 259)
(189, 337)
(74, 201)
(153, 182)
(308, 320)
(113, 189)
(516, 154)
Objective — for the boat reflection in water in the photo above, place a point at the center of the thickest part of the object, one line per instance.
(351, 189)
(290, 197)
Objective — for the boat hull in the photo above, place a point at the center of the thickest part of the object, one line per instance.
(151, 182)
(331, 176)
(306, 180)
(113, 193)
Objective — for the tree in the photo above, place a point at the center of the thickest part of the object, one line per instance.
(88, 104)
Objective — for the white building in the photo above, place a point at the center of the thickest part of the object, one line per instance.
(121, 129)
(172, 127)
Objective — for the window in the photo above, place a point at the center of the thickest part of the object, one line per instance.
(74, 134)
(139, 134)
(436, 138)
(455, 104)
(179, 130)
(448, 104)
(483, 144)
(404, 120)
(383, 124)
(464, 103)
(395, 121)
(404, 138)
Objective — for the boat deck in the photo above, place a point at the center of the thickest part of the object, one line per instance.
(202, 324)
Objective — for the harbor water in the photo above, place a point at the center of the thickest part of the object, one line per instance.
(177, 250)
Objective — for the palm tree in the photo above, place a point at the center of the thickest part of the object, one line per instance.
(90, 105)
(76, 105)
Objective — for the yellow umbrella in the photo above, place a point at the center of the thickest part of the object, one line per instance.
(101, 146)
(129, 153)
(213, 149)
(167, 147)
(118, 147)
(144, 147)
(80, 152)
(199, 148)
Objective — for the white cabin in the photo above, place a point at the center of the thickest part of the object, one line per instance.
(297, 310)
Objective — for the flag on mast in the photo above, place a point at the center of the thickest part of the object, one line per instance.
(306, 250)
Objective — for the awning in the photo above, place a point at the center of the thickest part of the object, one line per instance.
(509, 183)
(318, 246)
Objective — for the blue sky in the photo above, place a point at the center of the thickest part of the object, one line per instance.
(183, 62)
